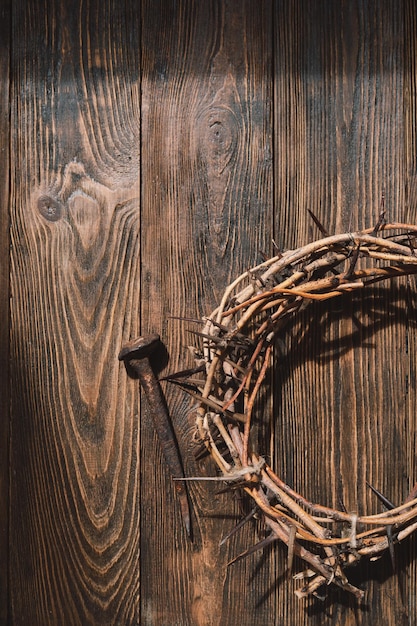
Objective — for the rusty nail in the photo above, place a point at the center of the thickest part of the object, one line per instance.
(135, 356)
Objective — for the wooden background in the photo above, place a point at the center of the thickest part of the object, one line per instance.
(150, 151)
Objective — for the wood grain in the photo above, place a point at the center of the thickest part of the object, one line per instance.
(339, 106)
(5, 23)
(75, 293)
(158, 148)
(207, 194)
(410, 167)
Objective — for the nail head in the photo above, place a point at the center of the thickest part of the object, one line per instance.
(140, 347)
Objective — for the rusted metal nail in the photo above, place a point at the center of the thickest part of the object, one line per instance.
(136, 355)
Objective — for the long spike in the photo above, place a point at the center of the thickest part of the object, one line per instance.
(390, 536)
(387, 503)
(186, 385)
(183, 373)
(239, 525)
(318, 224)
(258, 546)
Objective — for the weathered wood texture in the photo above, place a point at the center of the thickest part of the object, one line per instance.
(74, 520)
(346, 380)
(158, 148)
(5, 16)
(207, 199)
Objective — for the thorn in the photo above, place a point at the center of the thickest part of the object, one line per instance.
(380, 223)
(387, 503)
(342, 505)
(258, 546)
(212, 338)
(381, 219)
(318, 224)
(390, 536)
(183, 373)
(186, 385)
(391, 549)
(239, 525)
(218, 325)
(277, 248)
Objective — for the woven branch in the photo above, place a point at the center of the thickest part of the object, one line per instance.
(238, 339)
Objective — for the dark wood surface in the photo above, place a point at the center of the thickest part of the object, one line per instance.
(157, 150)
(5, 22)
(75, 281)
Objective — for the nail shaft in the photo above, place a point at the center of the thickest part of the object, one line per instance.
(136, 358)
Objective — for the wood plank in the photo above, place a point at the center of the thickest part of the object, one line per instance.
(75, 295)
(339, 105)
(5, 24)
(410, 167)
(206, 182)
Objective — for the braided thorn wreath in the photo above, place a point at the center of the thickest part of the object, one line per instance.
(236, 348)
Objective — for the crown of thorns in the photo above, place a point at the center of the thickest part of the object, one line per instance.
(236, 347)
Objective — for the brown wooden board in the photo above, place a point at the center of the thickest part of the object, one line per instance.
(5, 17)
(344, 409)
(207, 214)
(158, 149)
(74, 520)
